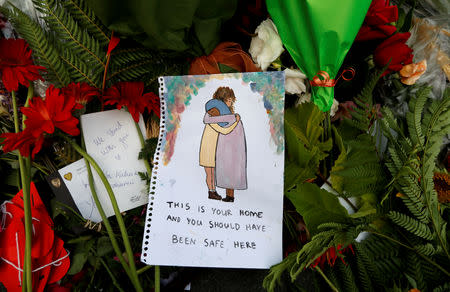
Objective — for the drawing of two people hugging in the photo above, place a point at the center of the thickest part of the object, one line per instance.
(223, 149)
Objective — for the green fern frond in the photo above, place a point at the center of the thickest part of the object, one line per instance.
(361, 172)
(438, 119)
(86, 17)
(425, 249)
(391, 266)
(76, 38)
(414, 269)
(148, 150)
(380, 248)
(366, 267)
(414, 116)
(362, 117)
(365, 95)
(442, 288)
(123, 57)
(358, 124)
(79, 71)
(131, 71)
(275, 274)
(347, 277)
(332, 225)
(412, 225)
(44, 52)
(331, 274)
(416, 208)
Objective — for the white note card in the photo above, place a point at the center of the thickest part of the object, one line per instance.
(216, 197)
(112, 140)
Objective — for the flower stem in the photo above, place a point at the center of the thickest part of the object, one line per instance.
(157, 279)
(30, 94)
(123, 230)
(114, 280)
(149, 171)
(108, 57)
(326, 279)
(105, 220)
(141, 138)
(142, 270)
(25, 181)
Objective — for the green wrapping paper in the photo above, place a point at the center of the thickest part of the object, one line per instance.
(318, 35)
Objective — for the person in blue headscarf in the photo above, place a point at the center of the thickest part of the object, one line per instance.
(218, 119)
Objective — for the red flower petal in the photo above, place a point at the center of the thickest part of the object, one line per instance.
(112, 44)
(377, 22)
(16, 64)
(129, 94)
(81, 92)
(9, 80)
(395, 50)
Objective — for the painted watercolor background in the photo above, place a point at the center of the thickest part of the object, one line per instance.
(179, 91)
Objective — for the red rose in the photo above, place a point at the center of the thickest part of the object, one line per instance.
(376, 24)
(394, 50)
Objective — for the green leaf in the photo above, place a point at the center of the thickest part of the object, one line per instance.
(407, 20)
(368, 203)
(77, 263)
(316, 205)
(80, 254)
(305, 149)
(191, 25)
(104, 246)
(360, 172)
(337, 182)
(80, 239)
(226, 69)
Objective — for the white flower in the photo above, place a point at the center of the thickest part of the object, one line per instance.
(266, 47)
(334, 107)
(303, 98)
(295, 81)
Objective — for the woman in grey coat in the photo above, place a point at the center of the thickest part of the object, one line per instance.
(231, 153)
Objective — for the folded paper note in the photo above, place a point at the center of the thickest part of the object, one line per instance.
(217, 184)
(112, 140)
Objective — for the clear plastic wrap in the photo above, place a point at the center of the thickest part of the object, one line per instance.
(430, 40)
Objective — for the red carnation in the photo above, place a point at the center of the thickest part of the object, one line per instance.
(43, 116)
(23, 141)
(377, 22)
(82, 92)
(395, 50)
(16, 64)
(54, 111)
(129, 94)
(330, 256)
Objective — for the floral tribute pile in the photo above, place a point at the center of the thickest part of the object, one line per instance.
(367, 125)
